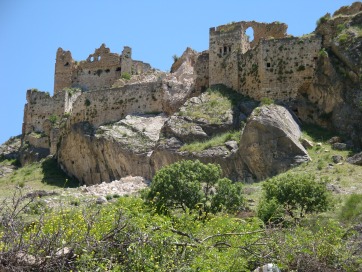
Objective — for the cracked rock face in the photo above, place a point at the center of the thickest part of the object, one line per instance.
(111, 152)
(270, 144)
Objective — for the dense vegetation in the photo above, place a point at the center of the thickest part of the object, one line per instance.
(145, 234)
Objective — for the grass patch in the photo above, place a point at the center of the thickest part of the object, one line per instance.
(217, 140)
(217, 100)
(44, 175)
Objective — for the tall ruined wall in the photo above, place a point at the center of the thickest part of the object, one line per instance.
(39, 107)
(224, 44)
(201, 70)
(99, 71)
(228, 41)
(278, 68)
(64, 68)
(112, 105)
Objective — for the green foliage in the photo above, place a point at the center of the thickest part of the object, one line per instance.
(53, 119)
(190, 185)
(72, 91)
(267, 101)
(352, 209)
(298, 194)
(316, 246)
(127, 235)
(323, 53)
(270, 211)
(323, 19)
(126, 76)
(217, 140)
(341, 27)
(218, 100)
(342, 38)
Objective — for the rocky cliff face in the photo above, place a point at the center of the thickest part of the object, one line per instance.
(334, 97)
(112, 151)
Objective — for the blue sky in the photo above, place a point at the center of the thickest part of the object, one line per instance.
(32, 30)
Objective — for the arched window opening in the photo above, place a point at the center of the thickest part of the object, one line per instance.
(250, 33)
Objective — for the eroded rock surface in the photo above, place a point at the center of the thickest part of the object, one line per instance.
(110, 152)
(269, 143)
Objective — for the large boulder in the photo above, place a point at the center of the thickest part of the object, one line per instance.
(112, 151)
(269, 143)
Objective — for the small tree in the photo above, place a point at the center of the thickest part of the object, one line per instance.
(294, 195)
(190, 185)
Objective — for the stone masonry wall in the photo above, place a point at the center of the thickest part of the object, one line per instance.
(278, 68)
(39, 107)
(99, 71)
(113, 104)
(201, 70)
(228, 41)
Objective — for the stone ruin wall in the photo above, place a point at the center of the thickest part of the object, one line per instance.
(278, 68)
(273, 65)
(201, 70)
(224, 45)
(112, 105)
(39, 107)
(99, 71)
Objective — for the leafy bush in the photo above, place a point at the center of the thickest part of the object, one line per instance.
(126, 76)
(53, 119)
(316, 246)
(297, 194)
(267, 101)
(323, 53)
(191, 185)
(323, 19)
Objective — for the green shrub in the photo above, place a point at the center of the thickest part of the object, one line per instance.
(323, 53)
(317, 246)
(267, 101)
(190, 185)
(323, 19)
(126, 76)
(342, 38)
(53, 119)
(352, 209)
(298, 194)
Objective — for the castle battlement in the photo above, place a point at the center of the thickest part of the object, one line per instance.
(99, 71)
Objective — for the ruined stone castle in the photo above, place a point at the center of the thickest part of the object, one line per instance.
(106, 87)
(273, 65)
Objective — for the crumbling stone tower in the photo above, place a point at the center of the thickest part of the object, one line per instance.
(273, 64)
(98, 72)
(228, 42)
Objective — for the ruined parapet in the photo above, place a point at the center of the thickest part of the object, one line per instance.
(202, 71)
(228, 41)
(126, 60)
(64, 66)
(279, 68)
(98, 72)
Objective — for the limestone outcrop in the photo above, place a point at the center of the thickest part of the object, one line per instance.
(112, 151)
(269, 143)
